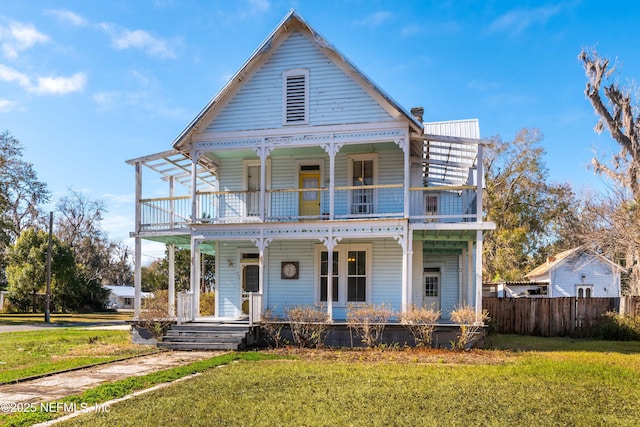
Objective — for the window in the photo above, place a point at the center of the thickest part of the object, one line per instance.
(584, 291)
(128, 301)
(351, 274)
(430, 205)
(295, 97)
(252, 185)
(362, 173)
(356, 276)
(324, 272)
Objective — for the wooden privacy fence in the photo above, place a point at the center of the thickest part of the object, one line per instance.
(554, 317)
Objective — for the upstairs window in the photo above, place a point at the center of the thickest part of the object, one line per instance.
(295, 97)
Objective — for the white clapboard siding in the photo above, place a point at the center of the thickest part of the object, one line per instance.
(596, 272)
(334, 98)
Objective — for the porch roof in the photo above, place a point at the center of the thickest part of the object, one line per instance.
(176, 165)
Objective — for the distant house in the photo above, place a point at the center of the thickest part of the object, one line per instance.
(578, 272)
(122, 297)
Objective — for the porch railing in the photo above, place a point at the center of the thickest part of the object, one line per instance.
(255, 306)
(444, 204)
(429, 204)
(185, 307)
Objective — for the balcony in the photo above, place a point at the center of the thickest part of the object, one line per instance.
(426, 204)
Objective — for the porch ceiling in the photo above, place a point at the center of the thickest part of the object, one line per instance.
(444, 241)
(183, 241)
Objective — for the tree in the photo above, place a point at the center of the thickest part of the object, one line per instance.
(27, 269)
(21, 194)
(618, 112)
(529, 212)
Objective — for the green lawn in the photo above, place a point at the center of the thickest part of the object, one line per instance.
(581, 382)
(24, 354)
(38, 318)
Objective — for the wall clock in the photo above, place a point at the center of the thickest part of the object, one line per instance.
(289, 270)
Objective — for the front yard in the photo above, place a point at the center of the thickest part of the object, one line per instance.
(530, 381)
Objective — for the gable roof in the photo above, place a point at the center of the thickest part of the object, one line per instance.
(556, 261)
(290, 22)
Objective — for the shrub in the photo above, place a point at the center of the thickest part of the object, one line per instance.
(154, 314)
(619, 327)
(272, 326)
(421, 322)
(308, 324)
(208, 304)
(368, 321)
(470, 323)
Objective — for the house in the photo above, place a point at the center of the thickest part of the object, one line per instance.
(122, 297)
(578, 272)
(312, 186)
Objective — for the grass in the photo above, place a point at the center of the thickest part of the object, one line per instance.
(519, 382)
(117, 389)
(24, 354)
(38, 318)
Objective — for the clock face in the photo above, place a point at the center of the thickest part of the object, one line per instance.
(289, 270)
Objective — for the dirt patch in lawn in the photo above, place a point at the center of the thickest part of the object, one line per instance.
(408, 355)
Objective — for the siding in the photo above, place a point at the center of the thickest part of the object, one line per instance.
(565, 278)
(284, 175)
(334, 98)
(450, 281)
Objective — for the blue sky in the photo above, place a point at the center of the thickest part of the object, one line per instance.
(86, 85)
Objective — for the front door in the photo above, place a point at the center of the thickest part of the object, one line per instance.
(310, 200)
(250, 283)
(431, 288)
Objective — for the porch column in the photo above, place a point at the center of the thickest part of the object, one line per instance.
(478, 275)
(195, 155)
(263, 152)
(171, 286)
(262, 243)
(469, 293)
(480, 185)
(195, 277)
(405, 145)
(137, 279)
(216, 303)
(332, 149)
(330, 243)
(407, 253)
(137, 272)
(171, 289)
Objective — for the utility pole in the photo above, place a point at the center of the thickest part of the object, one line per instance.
(47, 301)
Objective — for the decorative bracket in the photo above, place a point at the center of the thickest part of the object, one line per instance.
(330, 242)
(262, 242)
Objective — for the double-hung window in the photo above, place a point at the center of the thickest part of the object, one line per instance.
(351, 274)
(362, 171)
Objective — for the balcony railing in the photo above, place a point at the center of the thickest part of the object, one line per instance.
(428, 204)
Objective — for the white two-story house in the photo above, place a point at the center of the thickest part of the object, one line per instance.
(312, 186)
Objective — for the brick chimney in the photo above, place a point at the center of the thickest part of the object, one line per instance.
(418, 113)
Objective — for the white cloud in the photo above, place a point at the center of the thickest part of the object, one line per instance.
(46, 85)
(516, 21)
(17, 37)
(375, 19)
(6, 105)
(69, 17)
(60, 85)
(123, 38)
(9, 74)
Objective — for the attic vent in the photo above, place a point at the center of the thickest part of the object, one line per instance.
(296, 97)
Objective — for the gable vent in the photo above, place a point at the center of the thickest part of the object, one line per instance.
(296, 97)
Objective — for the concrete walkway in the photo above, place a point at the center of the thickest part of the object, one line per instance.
(57, 386)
